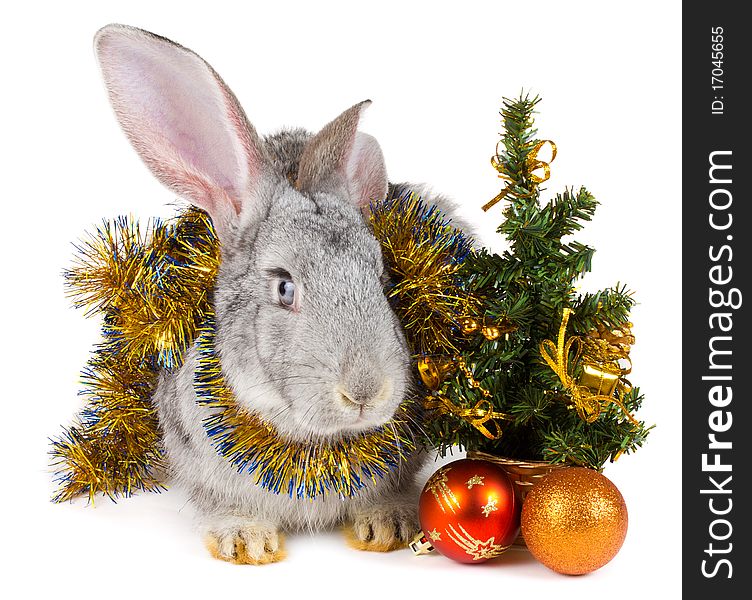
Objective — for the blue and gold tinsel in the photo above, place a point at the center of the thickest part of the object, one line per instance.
(153, 290)
(299, 469)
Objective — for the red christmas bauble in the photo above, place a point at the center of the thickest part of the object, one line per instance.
(468, 511)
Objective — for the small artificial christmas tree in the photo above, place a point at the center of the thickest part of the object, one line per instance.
(535, 370)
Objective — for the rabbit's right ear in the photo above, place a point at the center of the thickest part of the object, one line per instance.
(182, 119)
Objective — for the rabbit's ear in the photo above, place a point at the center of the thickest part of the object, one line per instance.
(182, 119)
(340, 156)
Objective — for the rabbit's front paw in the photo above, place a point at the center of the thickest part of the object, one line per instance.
(382, 529)
(244, 541)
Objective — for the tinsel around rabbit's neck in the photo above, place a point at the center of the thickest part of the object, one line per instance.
(152, 287)
(299, 469)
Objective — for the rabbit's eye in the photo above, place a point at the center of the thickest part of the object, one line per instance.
(286, 292)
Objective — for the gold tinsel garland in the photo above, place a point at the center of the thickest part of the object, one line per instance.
(153, 291)
(424, 253)
(298, 469)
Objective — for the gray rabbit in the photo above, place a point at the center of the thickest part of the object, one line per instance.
(306, 337)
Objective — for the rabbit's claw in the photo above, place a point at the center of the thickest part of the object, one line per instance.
(245, 543)
(383, 529)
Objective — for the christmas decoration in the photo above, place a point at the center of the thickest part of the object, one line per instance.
(537, 371)
(302, 470)
(153, 289)
(468, 511)
(574, 520)
(586, 401)
(423, 253)
(513, 362)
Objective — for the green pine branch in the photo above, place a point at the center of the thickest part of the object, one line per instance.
(526, 289)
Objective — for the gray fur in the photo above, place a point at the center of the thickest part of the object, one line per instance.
(444, 203)
(324, 156)
(286, 366)
(334, 365)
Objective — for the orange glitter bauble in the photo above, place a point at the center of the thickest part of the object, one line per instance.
(468, 511)
(574, 521)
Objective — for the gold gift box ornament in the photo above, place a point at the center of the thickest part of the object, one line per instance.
(604, 381)
(601, 382)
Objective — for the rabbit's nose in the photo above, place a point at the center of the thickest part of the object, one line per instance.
(365, 395)
(348, 400)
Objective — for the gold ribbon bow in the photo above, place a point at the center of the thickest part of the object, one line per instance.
(556, 355)
(433, 372)
(479, 416)
(532, 164)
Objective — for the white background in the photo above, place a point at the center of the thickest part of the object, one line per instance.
(610, 81)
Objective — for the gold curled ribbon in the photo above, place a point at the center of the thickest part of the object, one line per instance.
(479, 416)
(532, 164)
(556, 355)
(433, 371)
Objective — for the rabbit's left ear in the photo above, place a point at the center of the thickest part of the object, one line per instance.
(182, 119)
(340, 156)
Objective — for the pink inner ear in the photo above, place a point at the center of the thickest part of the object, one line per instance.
(181, 118)
(365, 171)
